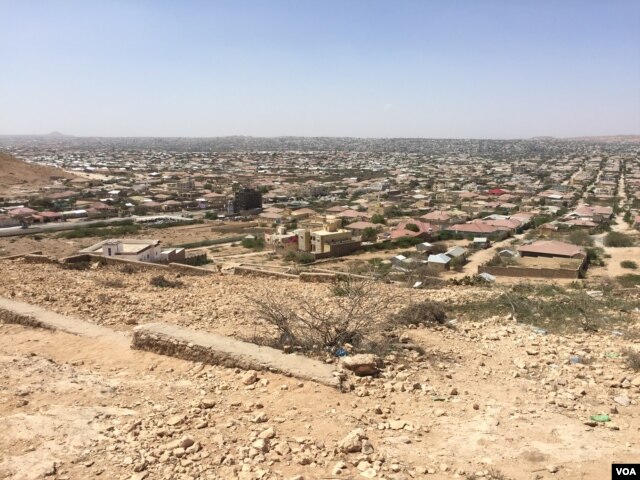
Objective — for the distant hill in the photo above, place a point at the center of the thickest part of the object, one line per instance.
(609, 139)
(16, 174)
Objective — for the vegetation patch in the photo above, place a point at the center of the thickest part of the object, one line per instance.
(618, 239)
(629, 280)
(253, 243)
(162, 282)
(103, 230)
(547, 306)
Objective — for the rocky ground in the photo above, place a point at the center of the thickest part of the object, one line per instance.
(492, 398)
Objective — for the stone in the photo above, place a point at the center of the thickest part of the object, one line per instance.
(261, 444)
(352, 443)
(338, 468)
(207, 403)
(186, 442)
(269, 433)
(176, 420)
(250, 378)
(397, 424)
(622, 400)
(260, 418)
(552, 468)
(369, 473)
(363, 364)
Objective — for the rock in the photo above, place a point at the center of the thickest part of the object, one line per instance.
(269, 433)
(261, 444)
(397, 424)
(179, 452)
(362, 364)
(186, 442)
(260, 418)
(369, 473)
(367, 448)
(250, 378)
(552, 468)
(352, 443)
(338, 468)
(207, 403)
(176, 420)
(622, 400)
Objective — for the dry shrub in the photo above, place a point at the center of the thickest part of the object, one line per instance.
(427, 312)
(633, 359)
(162, 282)
(357, 311)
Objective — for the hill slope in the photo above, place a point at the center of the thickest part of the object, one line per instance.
(16, 174)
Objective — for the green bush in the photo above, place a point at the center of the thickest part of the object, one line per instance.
(253, 243)
(594, 256)
(377, 218)
(629, 280)
(299, 257)
(617, 239)
(580, 237)
(412, 227)
(630, 264)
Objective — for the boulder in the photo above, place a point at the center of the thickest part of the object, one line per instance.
(363, 364)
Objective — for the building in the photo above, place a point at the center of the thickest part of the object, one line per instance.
(246, 199)
(440, 261)
(141, 250)
(552, 248)
(322, 240)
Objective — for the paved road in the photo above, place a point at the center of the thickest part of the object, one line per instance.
(61, 226)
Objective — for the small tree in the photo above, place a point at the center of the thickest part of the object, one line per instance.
(369, 234)
(618, 239)
(580, 237)
(378, 218)
(412, 227)
(358, 312)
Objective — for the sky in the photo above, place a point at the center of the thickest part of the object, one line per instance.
(362, 68)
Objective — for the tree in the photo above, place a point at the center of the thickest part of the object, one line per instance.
(369, 234)
(378, 219)
(358, 312)
(580, 237)
(618, 239)
(412, 227)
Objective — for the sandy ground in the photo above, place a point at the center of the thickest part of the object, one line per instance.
(525, 417)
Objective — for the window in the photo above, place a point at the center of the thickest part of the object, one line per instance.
(109, 251)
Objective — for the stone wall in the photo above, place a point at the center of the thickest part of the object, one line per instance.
(20, 255)
(531, 272)
(190, 270)
(7, 316)
(256, 272)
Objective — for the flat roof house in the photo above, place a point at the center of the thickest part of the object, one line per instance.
(552, 248)
(141, 250)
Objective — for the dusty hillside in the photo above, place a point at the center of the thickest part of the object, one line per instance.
(490, 399)
(16, 174)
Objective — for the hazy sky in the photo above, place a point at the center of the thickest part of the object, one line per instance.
(476, 68)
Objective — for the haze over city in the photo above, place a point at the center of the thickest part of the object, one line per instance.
(464, 69)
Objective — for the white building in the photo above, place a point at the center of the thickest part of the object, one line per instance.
(141, 250)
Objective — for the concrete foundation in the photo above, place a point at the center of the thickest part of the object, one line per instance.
(219, 350)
